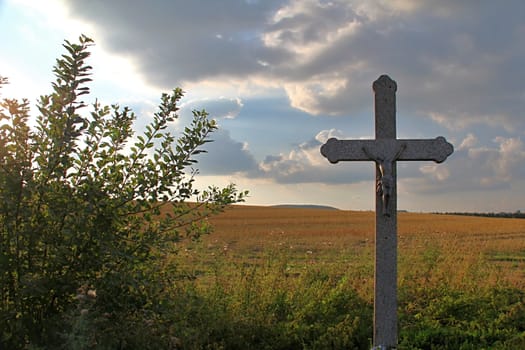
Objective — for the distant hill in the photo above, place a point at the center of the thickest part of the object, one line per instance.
(304, 206)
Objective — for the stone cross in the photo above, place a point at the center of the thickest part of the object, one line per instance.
(385, 150)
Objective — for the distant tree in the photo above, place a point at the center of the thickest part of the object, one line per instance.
(90, 212)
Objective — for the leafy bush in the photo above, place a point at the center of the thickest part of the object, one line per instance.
(492, 318)
(89, 213)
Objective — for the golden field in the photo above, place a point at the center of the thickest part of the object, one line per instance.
(461, 251)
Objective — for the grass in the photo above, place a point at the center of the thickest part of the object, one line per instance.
(303, 279)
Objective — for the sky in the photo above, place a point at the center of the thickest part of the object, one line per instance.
(283, 76)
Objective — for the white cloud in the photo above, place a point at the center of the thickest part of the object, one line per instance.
(468, 142)
(308, 96)
(511, 158)
(219, 108)
(305, 164)
(438, 172)
(473, 168)
(324, 135)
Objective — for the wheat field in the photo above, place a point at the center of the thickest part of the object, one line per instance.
(461, 251)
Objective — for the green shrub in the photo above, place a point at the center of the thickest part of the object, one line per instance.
(490, 318)
(85, 204)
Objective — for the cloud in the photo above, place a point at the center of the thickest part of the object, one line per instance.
(444, 65)
(468, 142)
(305, 164)
(503, 163)
(456, 63)
(220, 108)
(470, 168)
(226, 156)
(473, 168)
(324, 135)
(177, 41)
(436, 171)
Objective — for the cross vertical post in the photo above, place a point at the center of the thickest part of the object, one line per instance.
(385, 151)
(385, 275)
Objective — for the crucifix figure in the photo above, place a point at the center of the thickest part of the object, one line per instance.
(385, 151)
(385, 179)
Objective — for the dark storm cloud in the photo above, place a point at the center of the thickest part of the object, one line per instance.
(457, 63)
(175, 41)
(463, 64)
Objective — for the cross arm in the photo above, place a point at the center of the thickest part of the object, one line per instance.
(437, 149)
(347, 150)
